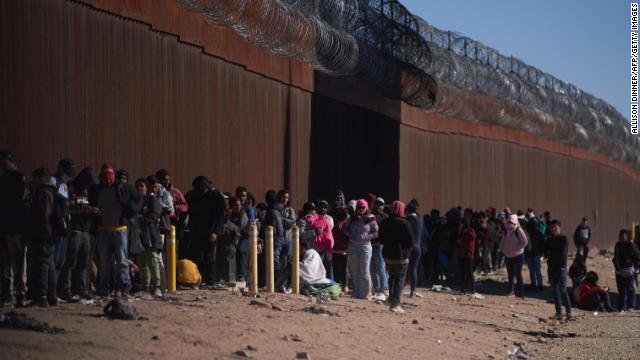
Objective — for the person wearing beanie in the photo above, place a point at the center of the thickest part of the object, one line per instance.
(118, 203)
(396, 237)
(417, 226)
(512, 246)
(361, 229)
(46, 223)
(556, 250)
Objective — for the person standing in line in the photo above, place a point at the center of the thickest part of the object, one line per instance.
(625, 260)
(378, 270)
(512, 246)
(13, 222)
(556, 251)
(396, 236)
(361, 229)
(417, 226)
(467, 242)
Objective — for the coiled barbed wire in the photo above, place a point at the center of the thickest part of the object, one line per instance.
(404, 57)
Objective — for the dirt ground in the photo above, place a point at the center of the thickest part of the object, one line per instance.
(439, 326)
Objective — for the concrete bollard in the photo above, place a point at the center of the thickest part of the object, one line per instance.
(253, 259)
(171, 260)
(268, 259)
(295, 260)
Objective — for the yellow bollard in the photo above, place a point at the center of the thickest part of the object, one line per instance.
(295, 260)
(268, 258)
(253, 259)
(171, 260)
(633, 231)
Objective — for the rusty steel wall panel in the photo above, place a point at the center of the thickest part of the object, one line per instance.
(95, 87)
(443, 171)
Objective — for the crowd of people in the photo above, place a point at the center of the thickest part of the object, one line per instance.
(60, 228)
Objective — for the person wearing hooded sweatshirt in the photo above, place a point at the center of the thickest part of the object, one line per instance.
(467, 244)
(625, 260)
(46, 225)
(417, 226)
(323, 239)
(556, 250)
(361, 229)
(512, 246)
(206, 223)
(274, 219)
(149, 261)
(397, 237)
(118, 203)
(78, 257)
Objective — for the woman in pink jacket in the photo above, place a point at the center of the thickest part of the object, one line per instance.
(323, 240)
(512, 246)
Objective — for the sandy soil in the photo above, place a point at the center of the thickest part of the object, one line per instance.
(438, 326)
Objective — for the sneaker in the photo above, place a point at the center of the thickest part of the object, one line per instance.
(397, 309)
(418, 295)
(511, 294)
(556, 317)
(42, 303)
(570, 318)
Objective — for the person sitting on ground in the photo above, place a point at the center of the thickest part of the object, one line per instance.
(188, 274)
(577, 271)
(589, 296)
(311, 270)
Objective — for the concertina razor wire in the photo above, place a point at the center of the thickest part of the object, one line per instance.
(404, 57)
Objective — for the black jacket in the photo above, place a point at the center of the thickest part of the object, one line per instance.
(149, 223)
(396, 235)
(273, 218)
(556, 250)
(13, 210)
(130, 199)
(577, 235)
(206, 213)
(417, 228)
(625, 255)
(48, 214)
(536, 239)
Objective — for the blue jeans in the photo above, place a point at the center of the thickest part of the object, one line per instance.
(558, 280)
(112, 251)
(60, 255)
(533, 263)
(378, 271)
(397, 275)
(359, 265)
(626, 292)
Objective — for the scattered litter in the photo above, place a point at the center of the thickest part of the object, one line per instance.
(511, 306)
(439, 342)
(155, 337)
(316, 309)
(260, 303)
(219, 301)
(595, 313)
(414, 321)
(201, 298)
(19, 321)
(515, 316)
(440, 288)
(303, 355)
(119, 309)
(512, 350)
(244, 353)
(87, 301)
(477, 296)
(292, 337)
